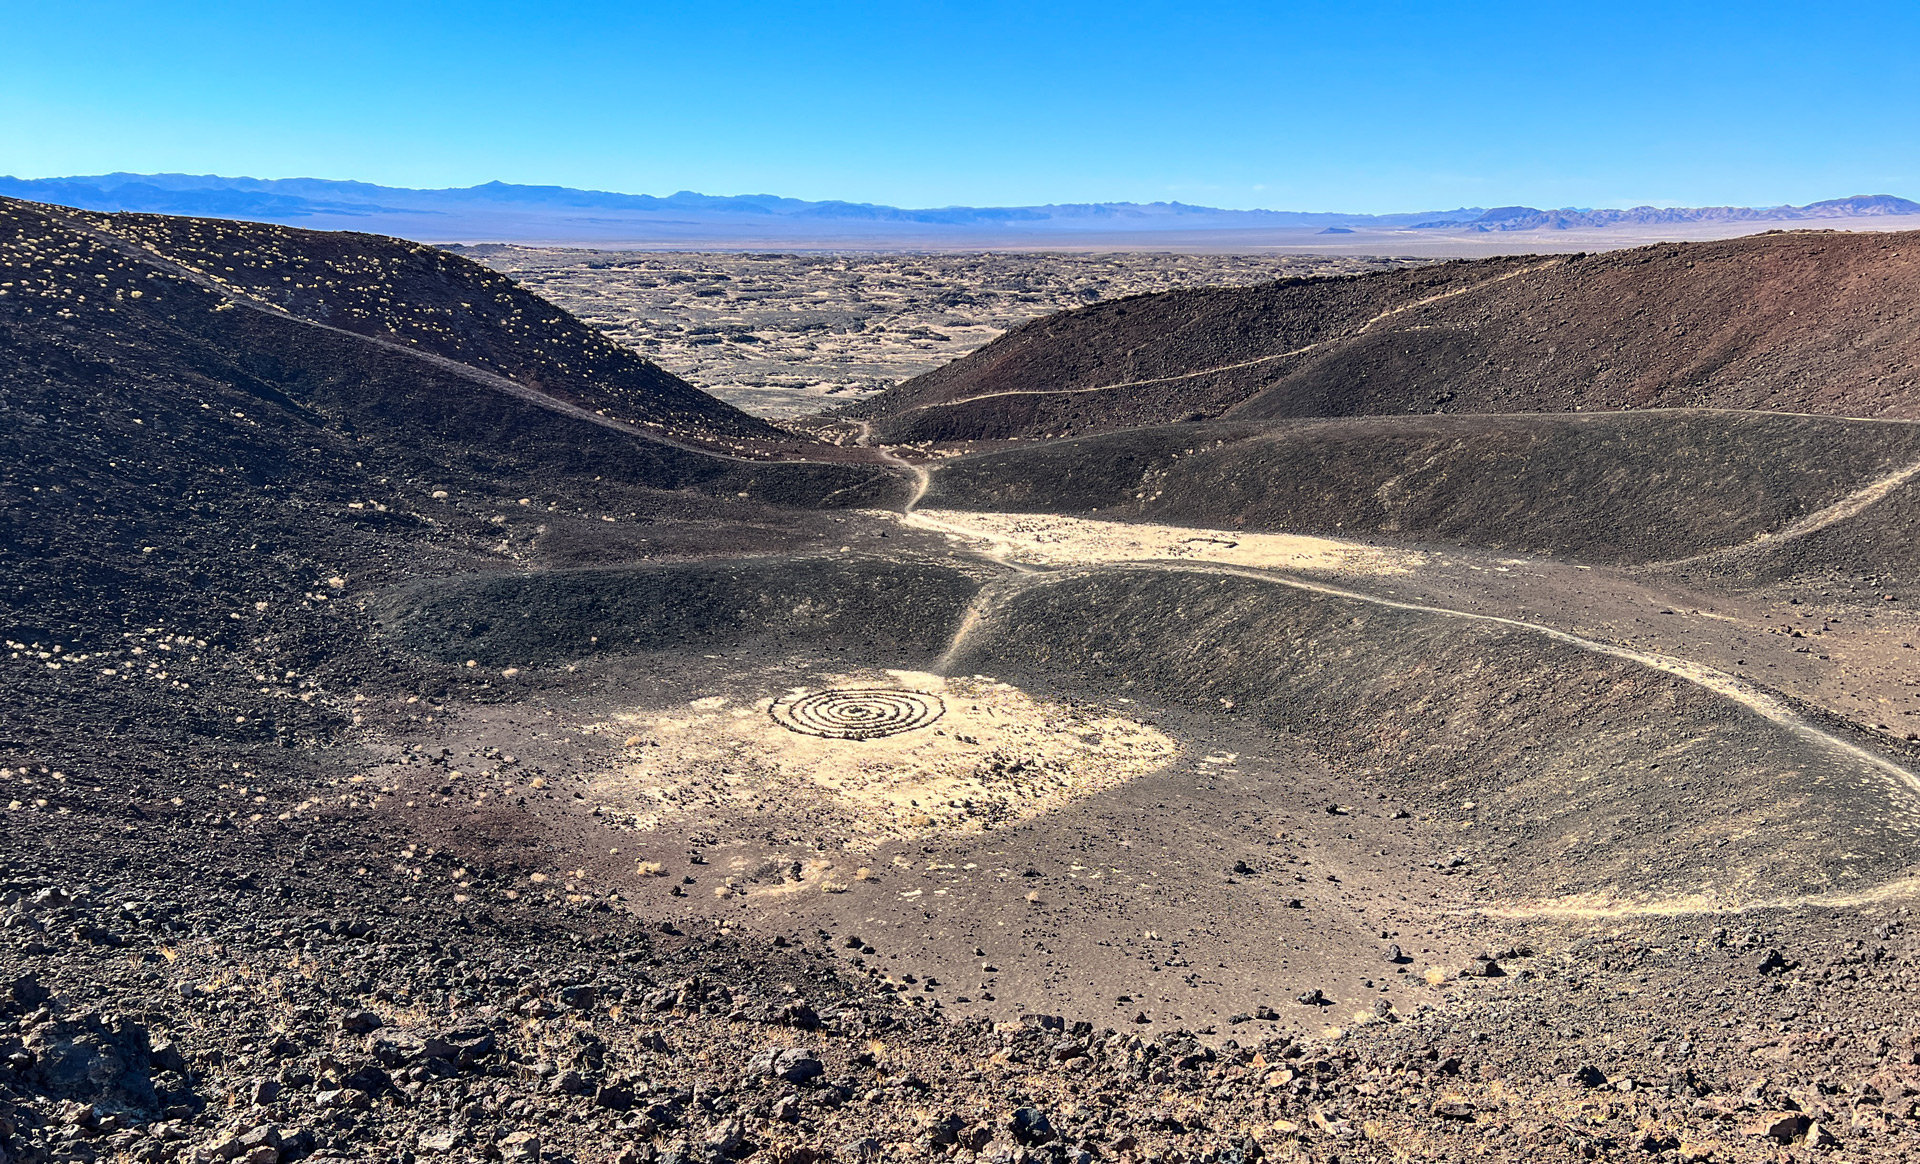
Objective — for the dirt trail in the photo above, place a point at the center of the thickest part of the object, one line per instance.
(1578, 909)
(909, 515)
(981, 608)
(1699, 674)
(989, 595)
(1850, 506)
(922, 478)
(1026, 541)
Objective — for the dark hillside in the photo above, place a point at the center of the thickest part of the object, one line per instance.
(1153, 342)
(171, 453)
(397, 291)
(1818, 322)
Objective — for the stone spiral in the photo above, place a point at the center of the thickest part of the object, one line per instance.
(858, 713)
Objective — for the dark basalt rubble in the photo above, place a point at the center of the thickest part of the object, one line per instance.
(390, 291)
(284, 1022)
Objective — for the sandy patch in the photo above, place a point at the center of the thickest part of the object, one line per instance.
(1046, 540)
(995, 756)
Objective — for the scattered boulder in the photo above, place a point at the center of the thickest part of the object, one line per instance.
(1031, 1126)
(790, 1064)
(727, 1137)
(1782, 1127)
(613, 1098)
(343, 1099)
(25, 993)
(165, 1056)
(944, 1130)
(107, 1062)
(437, 1141)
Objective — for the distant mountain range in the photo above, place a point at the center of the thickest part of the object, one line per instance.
(498, 211)
(286, 199)
(1527, 218)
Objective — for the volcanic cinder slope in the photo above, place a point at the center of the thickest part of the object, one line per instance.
(1802, 321)
(431, 729)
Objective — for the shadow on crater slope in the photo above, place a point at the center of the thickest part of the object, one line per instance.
(885, 611)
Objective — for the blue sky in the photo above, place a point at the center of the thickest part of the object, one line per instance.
(1358, 106)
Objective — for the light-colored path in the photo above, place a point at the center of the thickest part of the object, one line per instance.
(1850, 506)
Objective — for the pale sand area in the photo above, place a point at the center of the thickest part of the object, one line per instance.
(1046, 540)
(997, 755)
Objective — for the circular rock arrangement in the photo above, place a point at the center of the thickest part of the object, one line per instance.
(857, 713)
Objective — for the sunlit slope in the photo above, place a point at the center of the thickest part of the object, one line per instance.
(1819, 322)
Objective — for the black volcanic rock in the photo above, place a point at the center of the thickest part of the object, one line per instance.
(93, 1060)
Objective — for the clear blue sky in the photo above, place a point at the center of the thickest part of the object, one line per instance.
(1356, 106)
